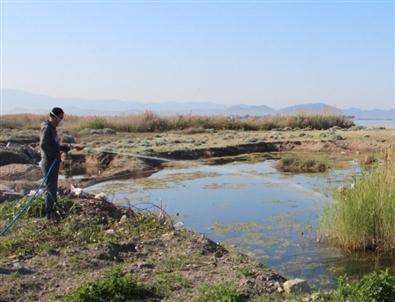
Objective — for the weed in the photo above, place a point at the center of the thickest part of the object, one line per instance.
(220, 293)
(378, 287)
(115, 286)
(166, 283)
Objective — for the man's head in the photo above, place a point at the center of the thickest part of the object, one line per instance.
(56, 116)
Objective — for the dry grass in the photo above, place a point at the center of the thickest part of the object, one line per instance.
(151, 122)
(298, 165)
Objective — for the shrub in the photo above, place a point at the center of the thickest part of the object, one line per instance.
(378, 287)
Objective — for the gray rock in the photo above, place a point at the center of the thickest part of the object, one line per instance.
(296, 286)
(68, 139)
(146, 265)
(251, 140)
(109, 131)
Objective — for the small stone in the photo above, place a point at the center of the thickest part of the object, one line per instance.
(296, 286)
(146, 265)
(101, 196)
(110, 232)
(178, 225)
(123, 219)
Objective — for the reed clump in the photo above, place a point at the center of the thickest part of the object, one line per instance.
(151, 122)
(299, 165)
(362, 217)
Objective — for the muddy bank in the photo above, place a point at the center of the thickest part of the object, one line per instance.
(95, 165)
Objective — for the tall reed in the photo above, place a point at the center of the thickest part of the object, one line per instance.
(151, 122)
(362, 217)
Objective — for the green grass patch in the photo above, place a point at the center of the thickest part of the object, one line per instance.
(223, 292)
(374, 287)
(33, 234)
(115, 286)
(166, 283)
(363, 217)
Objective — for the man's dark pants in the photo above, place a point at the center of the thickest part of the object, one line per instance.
(51, 184)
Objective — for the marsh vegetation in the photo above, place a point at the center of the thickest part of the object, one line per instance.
(362, 217)
(151, 122)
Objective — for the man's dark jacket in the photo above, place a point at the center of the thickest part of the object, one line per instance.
(49, 142)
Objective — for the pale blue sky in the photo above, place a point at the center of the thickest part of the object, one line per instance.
(271, 53)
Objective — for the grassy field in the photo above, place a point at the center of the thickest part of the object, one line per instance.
(363, 217)
(150, 122)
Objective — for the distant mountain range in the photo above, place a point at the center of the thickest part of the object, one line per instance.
(18, 101)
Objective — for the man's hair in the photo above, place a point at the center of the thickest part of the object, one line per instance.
(56, 111)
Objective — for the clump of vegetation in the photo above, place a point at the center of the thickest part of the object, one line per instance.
(37, 209)
(363, 217)
(115, 286)
(220, 293)
(151, 122)
(95, 123)
(372, 287)
(298, 165)
(33, 234)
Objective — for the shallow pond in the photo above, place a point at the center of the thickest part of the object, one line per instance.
(271, 215)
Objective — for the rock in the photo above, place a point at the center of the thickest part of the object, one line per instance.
(9, 196)
(146, 265)
(251, 140)
(68, 139)
(18, 155)
(107, 131)
(101, 196)
(296, 286)
(123, 219)
(12, 172)
(13, 157)
(75, 191)
(178, 225)
(323, 134)
(302, 134)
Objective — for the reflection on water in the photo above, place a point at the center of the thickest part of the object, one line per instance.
(266, 213)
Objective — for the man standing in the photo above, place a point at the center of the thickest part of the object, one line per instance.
(50, 157)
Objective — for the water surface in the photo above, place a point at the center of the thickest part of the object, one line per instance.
(268, 214)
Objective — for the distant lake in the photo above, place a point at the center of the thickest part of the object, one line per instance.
(373, 122)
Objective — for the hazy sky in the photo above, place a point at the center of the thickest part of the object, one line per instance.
(261, 52)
